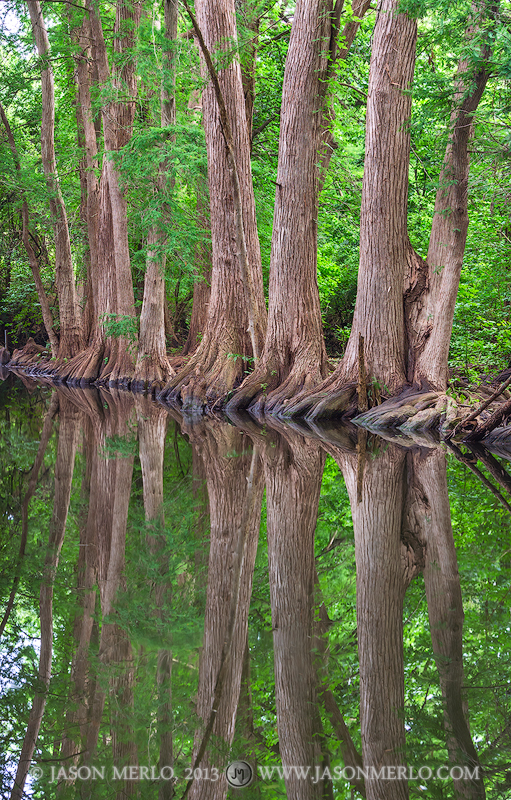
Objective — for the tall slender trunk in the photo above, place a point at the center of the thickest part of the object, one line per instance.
(33, 260)
(235, 495)
(384, 244)
(68, 439)
(377, 510)
(450, 222)
(152, 363)
(445, 609)
(110, 357)
(294, 356)
(84, 77)
(71, 339)
(236, 299)
(293, 472)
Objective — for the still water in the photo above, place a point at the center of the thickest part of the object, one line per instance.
(221, 608)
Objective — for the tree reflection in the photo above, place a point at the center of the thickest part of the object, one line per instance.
(235, 486)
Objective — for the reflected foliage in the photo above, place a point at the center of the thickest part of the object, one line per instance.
(183, 589)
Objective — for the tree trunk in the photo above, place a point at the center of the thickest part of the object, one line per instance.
(64, 465)
(293, 472)
(71, 339)
(384, 244)
(83, 80)
(445, 608)
(294, 357)
(33, 260)
(235, 493)
(202, 283)
(110, 358)
(450, 222)
(405, 305)
(152, 365)
(377, 510)
(217, 365)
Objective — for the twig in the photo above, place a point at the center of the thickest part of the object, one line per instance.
(483, 405)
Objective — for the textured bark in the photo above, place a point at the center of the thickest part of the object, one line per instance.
(110, 492)
(110, 358)
(294, 357)
(381, 583)
(217, 366)
(202, 283)
(152, 427)
(33, 260)
(71, 339)
(445, 608)
(408, 334)
(293, 472)
(152, 365)
(81, 677)
(66, 449)
(84, 78)
(235, 488)
(384, 244)
(450, 222)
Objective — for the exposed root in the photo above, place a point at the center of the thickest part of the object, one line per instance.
(84, 368)
(270, 388)
(394, 413)
(209, 377)
(151, 373)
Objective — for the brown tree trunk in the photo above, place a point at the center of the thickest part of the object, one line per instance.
(83, 80)
(111, 358)
(236, 299)
(235, 493)
(71, 339)
(382, 578)
(445, 608)
(293, 472)
(407, 331)
(64, 465)
(384, 244)
(152, 365)
(75, 737)
(450, 222)
(110, 489)
(202, 283)
(33, 260)
(294, 357)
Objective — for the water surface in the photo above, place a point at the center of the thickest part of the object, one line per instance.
(328, 606)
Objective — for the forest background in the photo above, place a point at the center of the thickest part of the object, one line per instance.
(161, 163)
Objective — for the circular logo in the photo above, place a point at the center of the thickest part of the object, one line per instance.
(239, 774)
(36, 772)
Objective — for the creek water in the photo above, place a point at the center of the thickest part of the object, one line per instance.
(222, 608)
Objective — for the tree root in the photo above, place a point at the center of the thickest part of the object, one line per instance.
(151, 374)
(270, 389)
(208, 378)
